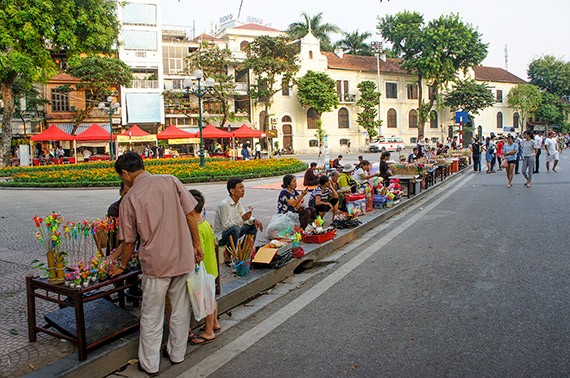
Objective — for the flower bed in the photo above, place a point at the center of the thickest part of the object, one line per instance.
(187, 170)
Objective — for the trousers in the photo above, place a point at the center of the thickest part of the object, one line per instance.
(528, 167)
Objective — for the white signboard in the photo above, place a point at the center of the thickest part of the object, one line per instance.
(24, 153)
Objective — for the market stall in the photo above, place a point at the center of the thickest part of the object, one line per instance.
(175, 136)
(51, 134)
(91, 136)
(136, 135)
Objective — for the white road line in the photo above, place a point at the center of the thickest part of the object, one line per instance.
(225, 354)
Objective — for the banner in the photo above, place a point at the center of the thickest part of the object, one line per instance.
(135, 139)
(184, 141)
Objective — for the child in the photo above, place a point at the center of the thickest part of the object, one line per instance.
(209, 246)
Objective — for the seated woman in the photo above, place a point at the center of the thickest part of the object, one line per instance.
(342, 191)
(324, 197)
(361, 176)
(291, 200)
(414, 156)
(385, 171)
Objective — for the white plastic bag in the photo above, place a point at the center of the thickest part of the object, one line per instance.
(281, 223)
(202, 290)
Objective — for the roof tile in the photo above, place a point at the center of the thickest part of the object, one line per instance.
(496, 74)
(362, 63)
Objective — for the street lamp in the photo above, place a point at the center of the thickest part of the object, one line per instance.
(199, 92)
(378, 51)
(113, 107)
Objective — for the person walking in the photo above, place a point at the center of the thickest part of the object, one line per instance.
(500, 145)
(529, 151)
(476, 154)
(159, 211)
(551, 152)
(538, 142)
(489, 154)
(510, 151)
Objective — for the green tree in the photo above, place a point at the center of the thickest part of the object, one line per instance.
(368, 101)
(436, 52)
(31, 32)
(317, 90)
(319, 29)
(469, 96)
(270, 58)
(215, 63)
(97, 74)
(355, 43)
(551, 75)
(552, 111)
(525, 99)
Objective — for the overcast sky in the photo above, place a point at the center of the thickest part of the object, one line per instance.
(529, 28)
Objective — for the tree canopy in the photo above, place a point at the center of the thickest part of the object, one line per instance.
(355, 43)
(526, 99)
(551, 75)
(270, 58)
(368, 101)
(469, 96)
(31, 32)
(436, 52)
(321, 30)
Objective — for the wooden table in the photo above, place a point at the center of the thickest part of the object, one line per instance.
(66, 297)
(408, 180)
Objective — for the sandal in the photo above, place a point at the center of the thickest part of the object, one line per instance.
(200, 340)
(218, 329)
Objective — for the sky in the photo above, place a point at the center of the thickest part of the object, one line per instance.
(528, 28)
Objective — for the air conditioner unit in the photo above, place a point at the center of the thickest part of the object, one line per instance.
(273, 120)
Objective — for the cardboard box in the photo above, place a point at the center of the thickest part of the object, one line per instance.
(266, 253)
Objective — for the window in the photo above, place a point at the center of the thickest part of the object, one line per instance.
(312, 118)
(139, 14)
(433, 120)
(412, 91)
(499, 95)
(174, 59)
(343, 121)
(392, 118)
(59, 101)
(310, 55)
(243, 46)
(286, 119)
(516, 120)
(344, 142)
(413, 140)
(313, 143)
(391, 90)
(432, 93)
(285, 87)
(140, 40)
(342, 91)
(499, 120)
(413, 119)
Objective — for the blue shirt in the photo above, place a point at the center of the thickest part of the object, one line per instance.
(282, 205)
(510, 148)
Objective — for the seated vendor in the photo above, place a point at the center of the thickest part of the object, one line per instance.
(361, 176)
(336, 163)
(290, 200)
(414, 156)
(311, 177)
(232, 221)
(324, 197)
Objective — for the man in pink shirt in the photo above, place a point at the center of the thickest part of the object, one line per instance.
(158, 210)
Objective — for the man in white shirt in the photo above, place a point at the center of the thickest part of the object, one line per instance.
(538, 141)
(551, 152)
(231, 219)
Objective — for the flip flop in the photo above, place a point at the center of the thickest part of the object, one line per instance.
(215, 329)
(195, 340)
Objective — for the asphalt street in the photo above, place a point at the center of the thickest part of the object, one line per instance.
(474, 283)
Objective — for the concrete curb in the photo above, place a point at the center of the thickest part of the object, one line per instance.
(109, 358)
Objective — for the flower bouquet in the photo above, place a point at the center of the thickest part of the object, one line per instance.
(48, 234)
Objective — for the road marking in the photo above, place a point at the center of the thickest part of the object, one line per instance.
(225, 354)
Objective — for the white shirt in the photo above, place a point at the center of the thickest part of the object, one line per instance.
(538, 141)
(550, 144)
(229, 214)
(358, 176)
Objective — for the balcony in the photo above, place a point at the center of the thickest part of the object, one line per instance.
(145, 84)
(348, 98)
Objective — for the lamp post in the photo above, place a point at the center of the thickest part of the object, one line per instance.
(199, 92)
(113, 106)
(377, 46)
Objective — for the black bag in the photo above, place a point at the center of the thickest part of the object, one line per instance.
(280, 259)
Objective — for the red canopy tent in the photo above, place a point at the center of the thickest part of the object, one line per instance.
(247, 132)
(135, 134)
(211, 132)
(94, 133)
(173, 132)
(53, 133)
(135, 130)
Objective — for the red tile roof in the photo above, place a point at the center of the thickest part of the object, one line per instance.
(362, 63)
(256, 27)
(207, 37)
(496, 74)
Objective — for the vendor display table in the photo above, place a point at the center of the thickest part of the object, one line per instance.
(80, 306)
(407, 181)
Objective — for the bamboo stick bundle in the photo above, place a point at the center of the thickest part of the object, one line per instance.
(244, 249)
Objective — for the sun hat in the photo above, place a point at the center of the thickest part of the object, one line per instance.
(348, 168)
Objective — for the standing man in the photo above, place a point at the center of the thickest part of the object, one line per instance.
(538, 141)
(551, 152)
(476, 153)
(231, 219)
(257, 150)
(158, 210)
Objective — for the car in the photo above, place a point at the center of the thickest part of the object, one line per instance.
(390, 144)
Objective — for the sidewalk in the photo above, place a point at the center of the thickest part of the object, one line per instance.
(235, 290)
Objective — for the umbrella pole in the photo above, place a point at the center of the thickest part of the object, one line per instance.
(75, 150)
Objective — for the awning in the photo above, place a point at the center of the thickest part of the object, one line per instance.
(94, 133)
(135, 134)
(53, 133)
(246, 132)
(173, 132)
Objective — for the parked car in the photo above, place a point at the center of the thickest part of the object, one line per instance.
(391, 144)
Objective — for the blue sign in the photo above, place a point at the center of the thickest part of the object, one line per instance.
(461, 117)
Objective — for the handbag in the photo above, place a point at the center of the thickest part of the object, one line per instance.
(504, 163)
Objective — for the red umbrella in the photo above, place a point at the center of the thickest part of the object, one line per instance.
(173, 132)
(246, 132)
(134, 131)
(53, 133)
(211, 132)
(94, 133)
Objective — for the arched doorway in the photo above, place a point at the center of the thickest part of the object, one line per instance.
(287, 132)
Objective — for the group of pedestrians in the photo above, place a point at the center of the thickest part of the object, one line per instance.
(513, 151)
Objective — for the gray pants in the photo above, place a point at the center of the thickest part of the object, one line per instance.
(528, 167)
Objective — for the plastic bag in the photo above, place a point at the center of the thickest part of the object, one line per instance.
(281, 223)
(202, 290)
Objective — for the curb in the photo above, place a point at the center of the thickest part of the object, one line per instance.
(109, 358)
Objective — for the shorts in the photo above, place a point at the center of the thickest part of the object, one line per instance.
(511, 161)
(552, 157)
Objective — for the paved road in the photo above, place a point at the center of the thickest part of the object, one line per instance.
(18, 248)
(474, 283)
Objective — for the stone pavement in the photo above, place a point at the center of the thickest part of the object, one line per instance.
(18, 248)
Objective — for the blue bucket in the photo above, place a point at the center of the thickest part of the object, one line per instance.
(242, 268)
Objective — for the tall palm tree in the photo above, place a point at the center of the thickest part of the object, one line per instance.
(318, 28)
(354, 43)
